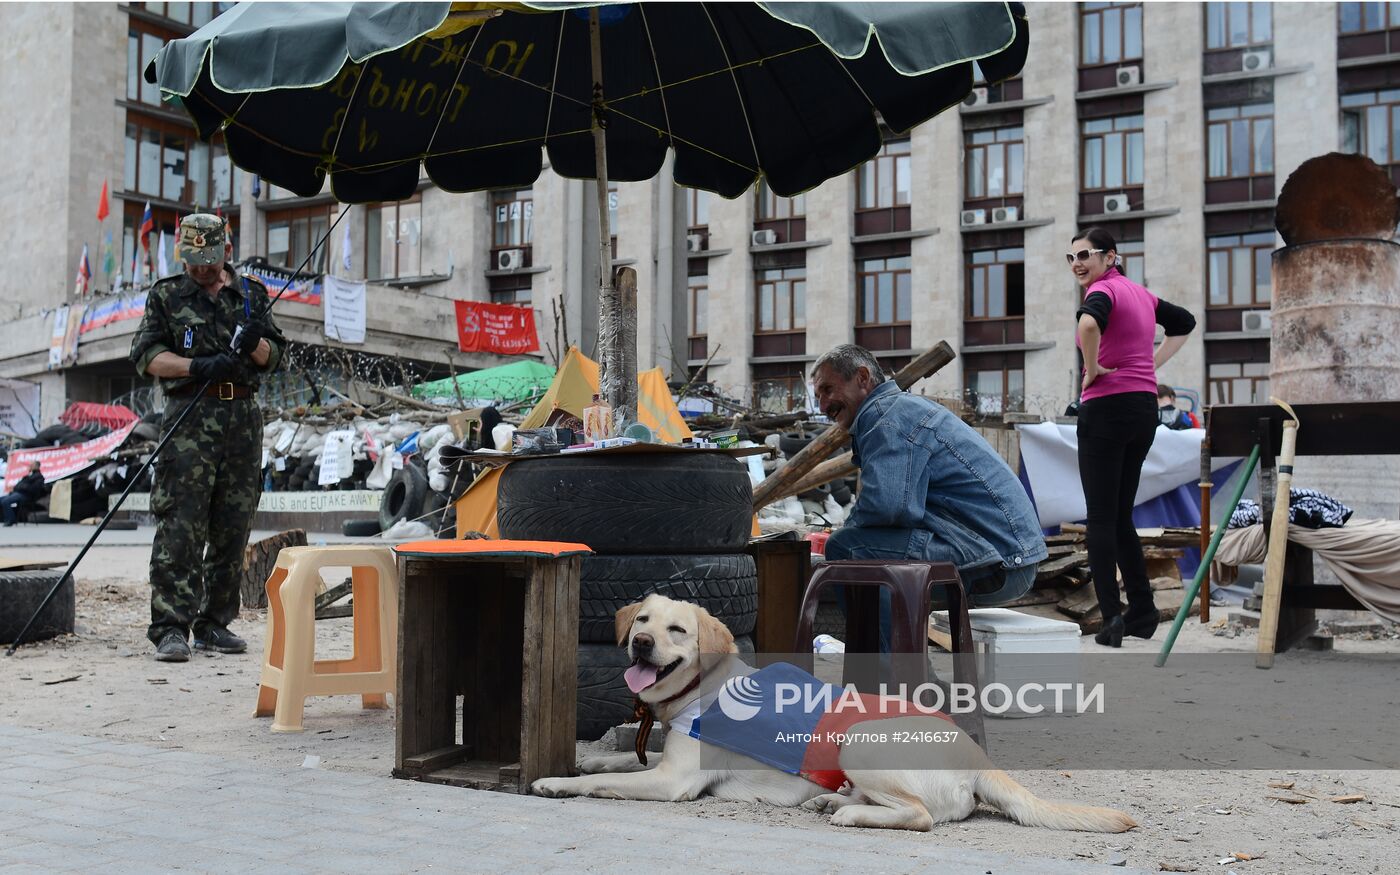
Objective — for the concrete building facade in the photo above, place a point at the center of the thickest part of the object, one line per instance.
(1173, 125)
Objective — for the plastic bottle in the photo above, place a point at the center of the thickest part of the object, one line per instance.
(827, 644)
(597, 420)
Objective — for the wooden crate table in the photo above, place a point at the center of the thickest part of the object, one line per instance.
(491, 627)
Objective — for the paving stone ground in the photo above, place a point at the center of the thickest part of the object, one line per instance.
(71, 803)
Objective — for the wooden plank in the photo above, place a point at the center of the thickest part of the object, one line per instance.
(437, 759)
(1055, 567)
(562, 754)
(534, 705)
(784, 567)
(940, 637)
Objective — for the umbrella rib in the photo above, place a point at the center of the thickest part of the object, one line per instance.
(661, 92)
(344, 119)
(554, 83)
(729, 65)
(428, 150)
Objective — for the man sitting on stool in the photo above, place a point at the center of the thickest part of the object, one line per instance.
(931, 488)
(28, 490)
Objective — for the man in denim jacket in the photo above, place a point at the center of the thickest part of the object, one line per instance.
(930, 487)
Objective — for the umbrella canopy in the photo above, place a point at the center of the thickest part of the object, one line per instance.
(510, 382)
(366, 92)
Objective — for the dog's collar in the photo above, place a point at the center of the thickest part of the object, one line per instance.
(646, 717)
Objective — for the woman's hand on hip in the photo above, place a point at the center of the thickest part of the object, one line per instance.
(1092, 372)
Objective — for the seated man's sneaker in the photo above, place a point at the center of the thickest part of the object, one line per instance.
(219, 639)
(172, 648)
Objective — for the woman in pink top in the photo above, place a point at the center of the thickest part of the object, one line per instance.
(1118, 322)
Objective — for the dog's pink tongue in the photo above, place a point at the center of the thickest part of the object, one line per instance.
(640, 676)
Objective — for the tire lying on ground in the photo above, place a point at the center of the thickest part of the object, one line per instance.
(20, 594)
(603, 698)
(663, 503)
(724, 585)
(359, 528)
(403, 497)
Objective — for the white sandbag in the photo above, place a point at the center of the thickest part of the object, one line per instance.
(405, 530)
(835, 514)
(501, 436)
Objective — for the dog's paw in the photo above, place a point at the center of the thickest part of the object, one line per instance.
(847, 816)
(597, 765)
(553, 788)
(826, 803)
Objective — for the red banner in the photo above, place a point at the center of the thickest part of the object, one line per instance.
(501, 328)
(59, 462)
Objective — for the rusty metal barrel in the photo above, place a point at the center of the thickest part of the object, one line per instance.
(1336, 298)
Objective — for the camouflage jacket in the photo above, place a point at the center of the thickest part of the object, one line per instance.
(182, 318)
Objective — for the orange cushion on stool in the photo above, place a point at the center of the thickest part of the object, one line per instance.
(491, 548)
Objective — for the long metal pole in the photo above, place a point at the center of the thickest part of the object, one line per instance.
(150, 460)
(1206, 558)
(1205, 515)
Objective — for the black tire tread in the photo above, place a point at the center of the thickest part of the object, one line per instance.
(724, 585)
(20, 594)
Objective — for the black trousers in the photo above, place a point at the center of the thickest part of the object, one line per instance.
(1115, 433)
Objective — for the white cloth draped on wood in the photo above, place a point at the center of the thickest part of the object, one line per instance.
(1364, 554)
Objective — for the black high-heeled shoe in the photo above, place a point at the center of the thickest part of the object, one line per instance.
(1111, 635)
(1141, 624)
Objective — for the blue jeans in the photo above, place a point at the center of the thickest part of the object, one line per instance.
(987, 585)
(8, 505)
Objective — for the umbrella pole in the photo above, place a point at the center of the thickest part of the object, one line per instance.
(617, 376)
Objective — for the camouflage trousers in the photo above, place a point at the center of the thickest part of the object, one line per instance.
(207, 483)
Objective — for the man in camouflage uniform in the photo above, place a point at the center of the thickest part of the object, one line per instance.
(207, 480)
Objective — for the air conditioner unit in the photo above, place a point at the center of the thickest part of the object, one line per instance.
(1128, 76)
(1258, 321)
(1116, 203)
(510, 259)
(976, 97)
(1260, 60)
(694, 243)
(974, 217)
(766, 237)
(1006, 214)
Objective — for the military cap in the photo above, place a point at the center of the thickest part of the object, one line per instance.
(202, 237)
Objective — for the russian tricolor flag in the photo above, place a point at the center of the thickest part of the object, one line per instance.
(148, 224)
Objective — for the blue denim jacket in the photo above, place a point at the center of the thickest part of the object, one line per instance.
(924, 469)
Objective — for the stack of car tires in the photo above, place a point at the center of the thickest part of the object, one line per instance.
(675, 524)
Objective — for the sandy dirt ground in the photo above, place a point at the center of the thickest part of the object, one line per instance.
(103, 682)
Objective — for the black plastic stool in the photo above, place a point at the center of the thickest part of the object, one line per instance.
(910, 583)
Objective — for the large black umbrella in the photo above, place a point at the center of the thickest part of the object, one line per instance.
(365, 92)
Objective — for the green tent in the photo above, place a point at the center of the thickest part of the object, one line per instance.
(510, 382)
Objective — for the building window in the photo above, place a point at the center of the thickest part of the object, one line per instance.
(227, 179)
(166, 161)
(698, 305)
(1240, 141)
(393, 240)
(1370, 125)
(511, 289)
(1366, 17)
(995, 162)
(1132, 261)
(1112, 149)
(142, 43)
(697, 209)
(779, 388)
(996, 284)
(512, 220)
(883, 291)
(193, 14)
(1236, 25)
(1239, 382)
(994, 383)
(291, 234)
(884, 181)
(769, 206)
(1239, 270)
(1110, 33)
(782, 299)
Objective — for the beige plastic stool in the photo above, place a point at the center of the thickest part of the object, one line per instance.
(290, 670)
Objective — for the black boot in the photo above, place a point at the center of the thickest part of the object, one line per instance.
(1141, 623)
(1111, 635)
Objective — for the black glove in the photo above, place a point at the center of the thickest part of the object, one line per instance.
(252, 333)
(220, 368)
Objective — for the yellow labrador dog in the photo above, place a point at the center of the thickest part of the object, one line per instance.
(943, 782)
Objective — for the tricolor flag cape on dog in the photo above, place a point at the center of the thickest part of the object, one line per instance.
(789, 719)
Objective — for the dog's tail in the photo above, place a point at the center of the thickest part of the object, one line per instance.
(999, 789)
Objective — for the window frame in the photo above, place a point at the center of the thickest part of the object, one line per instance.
(697, 201)
(1227, 124)
(1005, 147)
(415, 199)
(769, 207)
(524, 223)
(1095, 12)
(1085, 136)
(1008, 402)
(1386, 22)
(1349, 106)
(293, 216)
(1253, 40)
(1257, 242)
(972, 268)
(166, 130)
(896, 164)
(792, 297)
(698, 305)
(863, 272)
